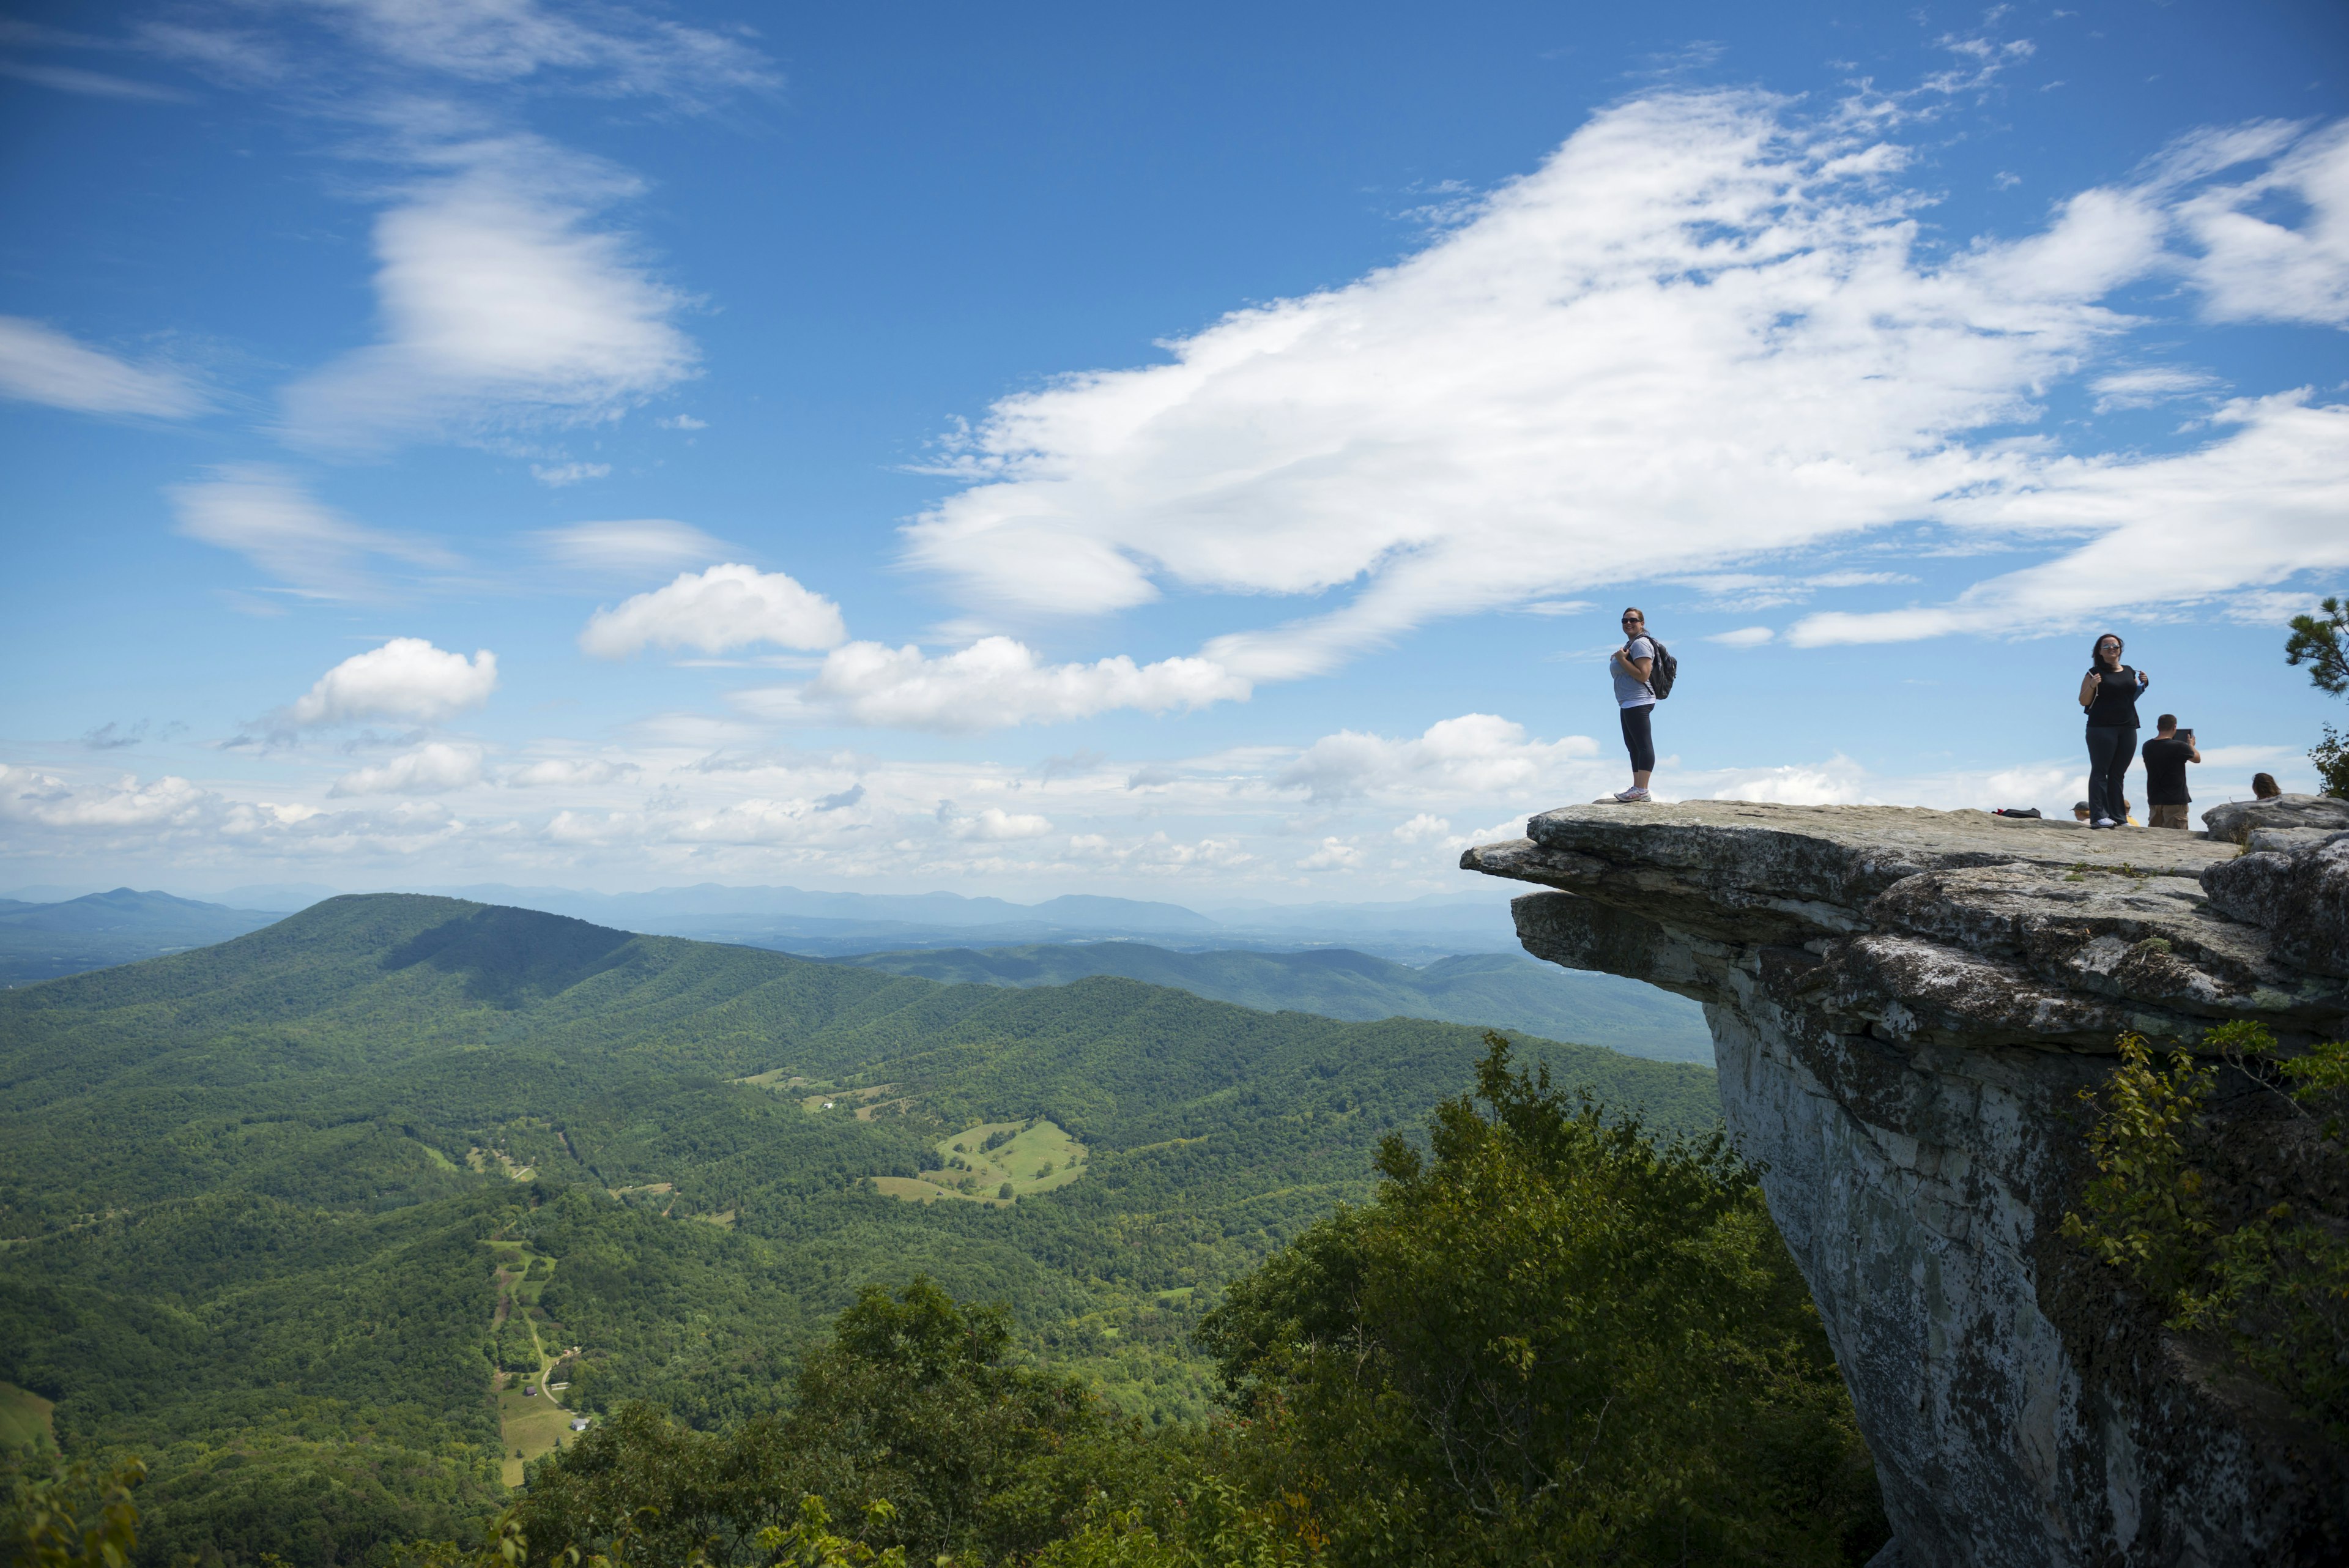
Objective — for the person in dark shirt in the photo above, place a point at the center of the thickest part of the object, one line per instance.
(2108, 694)
(2165, 756)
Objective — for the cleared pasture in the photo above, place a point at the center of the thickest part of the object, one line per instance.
(1033, 1156)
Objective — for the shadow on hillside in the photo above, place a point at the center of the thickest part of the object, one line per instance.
(509, 956)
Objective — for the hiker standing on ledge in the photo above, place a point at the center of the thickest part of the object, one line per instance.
(2108, 694)
(1631, 666)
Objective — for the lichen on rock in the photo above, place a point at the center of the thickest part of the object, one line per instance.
(1905, 1006)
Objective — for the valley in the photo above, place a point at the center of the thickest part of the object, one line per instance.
(323, 1201)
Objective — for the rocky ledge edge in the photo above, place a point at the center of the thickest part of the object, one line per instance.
(1905, 1006)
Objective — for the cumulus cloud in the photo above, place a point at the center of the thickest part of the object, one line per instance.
(30, 796)
(266, 515)
(996, 682)
(40, 364)
(635, 543)
(1702, 332)
(723, 608)
(63, 815)
(1474, 754)
(503, 306)
(406, 678)
(1334, 854)
(433, 768)
(994, 824)
(1422, 827)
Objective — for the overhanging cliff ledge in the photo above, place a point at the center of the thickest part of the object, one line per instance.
(1905, 1005)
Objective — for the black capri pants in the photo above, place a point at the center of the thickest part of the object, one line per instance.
(1639, 738)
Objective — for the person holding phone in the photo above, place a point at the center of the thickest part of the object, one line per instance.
(2109, 695)
(2165, 756)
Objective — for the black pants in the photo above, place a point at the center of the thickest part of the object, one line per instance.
(2110, 749)
(1641, 742)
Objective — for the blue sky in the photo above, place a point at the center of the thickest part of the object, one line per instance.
(1196, 456)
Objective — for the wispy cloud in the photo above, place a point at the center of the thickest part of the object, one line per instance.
(634, 545)
(40, 364)
(265, 515)
(504, 306)
(1701, 336)
(94, 84)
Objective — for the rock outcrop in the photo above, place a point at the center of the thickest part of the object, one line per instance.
(1905, 1006)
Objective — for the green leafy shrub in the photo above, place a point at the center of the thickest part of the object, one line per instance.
(2275, 1281)
(68, 1515)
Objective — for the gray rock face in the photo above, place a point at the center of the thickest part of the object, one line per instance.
(1905, 1005)
(2236, 820)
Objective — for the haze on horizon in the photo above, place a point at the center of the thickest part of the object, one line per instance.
(1195, 459)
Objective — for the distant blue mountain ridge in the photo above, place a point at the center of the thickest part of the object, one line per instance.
(1452, 960)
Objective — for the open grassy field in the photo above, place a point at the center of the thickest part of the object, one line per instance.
(531, 1418)
(531, 1426)
(1033, 1156)
(25, 1419)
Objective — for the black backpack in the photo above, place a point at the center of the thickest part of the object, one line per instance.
(1664, 671)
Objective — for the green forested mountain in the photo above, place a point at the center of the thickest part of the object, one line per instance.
(1497, 990)
(274, 1209)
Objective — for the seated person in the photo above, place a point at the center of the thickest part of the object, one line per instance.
(2264, 787)
(2165, 756)
(2080, 811)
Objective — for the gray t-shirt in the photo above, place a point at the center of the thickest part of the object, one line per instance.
(1630, 691)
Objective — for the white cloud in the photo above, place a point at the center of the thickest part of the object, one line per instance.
(994, 682)
(1743, 637)
(727, 607)
(431, 768)
(994, 824)
(612, 49)
(557, 475)
(569, 772)
(1335, 854)
(27, 796)
(634, 545)
(94, 84)
(2196, 528)
(2255, 267)
(2148, 388)
(264, 513)
(65, 816)
(682, 422)
(1699, 334)
(406, 677)
(1422, 827)
(40, 364)
(1474, 754)
(503, 307)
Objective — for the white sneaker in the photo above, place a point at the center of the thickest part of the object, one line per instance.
(2103, 822)
(1632, 796)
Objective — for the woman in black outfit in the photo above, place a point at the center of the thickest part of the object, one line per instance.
(2110, 693)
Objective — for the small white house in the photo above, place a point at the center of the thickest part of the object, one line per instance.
(579, 1423)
